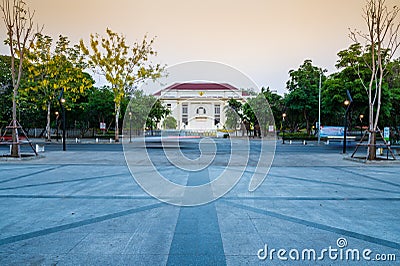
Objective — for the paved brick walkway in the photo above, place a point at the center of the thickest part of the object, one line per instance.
(83, 207)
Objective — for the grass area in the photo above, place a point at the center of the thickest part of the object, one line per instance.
(298, 135)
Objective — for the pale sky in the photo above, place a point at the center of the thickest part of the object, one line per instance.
(264, 39)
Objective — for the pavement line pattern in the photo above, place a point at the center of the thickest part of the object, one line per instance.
(367, 176)
(121, 197)
(61, 182)
(312, 198)
(328, 228)
(111, 197)
(60, 228)
(31, 174)
(197, 234)
(335, 183)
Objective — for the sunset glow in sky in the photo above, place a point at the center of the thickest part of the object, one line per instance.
(262, 38)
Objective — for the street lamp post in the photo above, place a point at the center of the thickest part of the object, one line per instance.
(283, 128)
(319, 108)
(130, 127)
(57, 116)
(347, 104)
(62, 101)
(319, 103)
(361, 118)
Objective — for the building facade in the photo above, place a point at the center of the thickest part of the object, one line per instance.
(199, 106)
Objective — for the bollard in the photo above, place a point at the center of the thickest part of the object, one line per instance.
(290, 142)
(39, 148)
(110, 140)
(97, 140)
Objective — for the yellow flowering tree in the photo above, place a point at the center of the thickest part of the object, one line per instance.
(123, 66)
(49, 72)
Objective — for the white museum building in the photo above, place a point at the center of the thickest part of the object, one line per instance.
(199, 106)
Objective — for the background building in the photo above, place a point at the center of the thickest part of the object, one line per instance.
(199, 106)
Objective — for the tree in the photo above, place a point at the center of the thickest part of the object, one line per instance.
(51, 72)
(124, 67)
(248, 113)
(156, 114)
(302, 100)
(353, 73)
(5, 73)
(393, 80)
(257, 111)
(27, 116)
(144, 111)
(275, 101)
(233, 114)
(381, 41)
(170, 122)
(19, 26)
(5, 90)
(99, 106)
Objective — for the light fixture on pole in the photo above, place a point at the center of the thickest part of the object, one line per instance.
(130, 127)
(57, 117)
(319, 104)
(319, 108)
(283, 129)
(62, 101)
(347, 103)
(361, 121)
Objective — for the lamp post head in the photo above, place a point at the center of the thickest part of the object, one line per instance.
(346, 102)
(57, 113)
(361, 116)
(283, 116)
(62, 100)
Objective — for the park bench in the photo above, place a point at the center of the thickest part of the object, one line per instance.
(339, 138)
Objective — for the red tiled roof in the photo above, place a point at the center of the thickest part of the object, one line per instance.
(199, 86)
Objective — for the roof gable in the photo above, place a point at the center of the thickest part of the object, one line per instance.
(200, 87)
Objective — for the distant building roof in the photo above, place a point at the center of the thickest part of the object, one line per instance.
(201, 87)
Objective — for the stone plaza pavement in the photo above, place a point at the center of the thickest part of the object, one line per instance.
(82, 207)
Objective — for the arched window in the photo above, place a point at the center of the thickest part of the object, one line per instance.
(201, 110)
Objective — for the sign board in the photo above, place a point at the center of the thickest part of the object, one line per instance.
(332, 131)
(386, 133)
(102, 126)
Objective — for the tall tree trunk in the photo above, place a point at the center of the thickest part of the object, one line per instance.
(371, 151)
(19, 24)
(372, 147)
(307, 122)
(117, 111)
(48, 129)
(15, 151)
